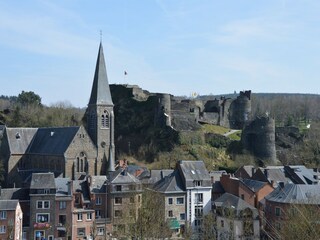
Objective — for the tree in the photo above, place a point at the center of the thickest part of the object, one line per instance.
(29, 98)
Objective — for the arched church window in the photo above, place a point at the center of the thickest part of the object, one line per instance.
(82, 165)
(105, 119)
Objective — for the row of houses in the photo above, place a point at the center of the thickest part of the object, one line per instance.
(104, 207)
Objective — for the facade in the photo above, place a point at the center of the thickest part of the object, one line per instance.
(197, 184)
(10, 220)
(235, 218)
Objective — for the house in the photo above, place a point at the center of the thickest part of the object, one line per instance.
(197, 183)
(10, 219)
(251, 191)
(285, 203)
(235, 218)
(174, 200)
(124, 197)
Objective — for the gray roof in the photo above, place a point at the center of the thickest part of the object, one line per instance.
(275, 174)
(14, 193)
(42, 181)
(8, 204)
(300, 174)
(122, 176)
(217, 174)
(170, 184)
(82, 187)
(296, 193)
(254, 185)
(194, 170)
(19, 139)
(97, 184)
(154, 175)
(228, 200)
(246, 170)
(100, 93)
(53, 141)
(62, 186)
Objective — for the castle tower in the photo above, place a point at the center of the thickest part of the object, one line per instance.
(100, 117)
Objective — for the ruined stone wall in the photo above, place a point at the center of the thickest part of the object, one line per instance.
(258, 137)
(240, 110)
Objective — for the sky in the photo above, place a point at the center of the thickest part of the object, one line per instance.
(168, 46)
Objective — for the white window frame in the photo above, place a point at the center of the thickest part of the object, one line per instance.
(98, 200)
(89, 216)
(100, 231)
(182, 200)
(170, 199)
(3, 214)
(79, 217)
(43, 204)
(62, 205)
(3, 229)
(39, 214)
(98, 213)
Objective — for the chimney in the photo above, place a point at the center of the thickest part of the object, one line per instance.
(281, 185)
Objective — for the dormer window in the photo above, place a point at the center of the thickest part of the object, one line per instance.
(18, 135)
(197, 183)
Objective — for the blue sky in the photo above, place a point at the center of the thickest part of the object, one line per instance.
(170, 46)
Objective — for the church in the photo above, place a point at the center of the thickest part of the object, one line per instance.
(71, 152)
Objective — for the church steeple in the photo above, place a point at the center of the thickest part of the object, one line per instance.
(100, 93)
(100, 117)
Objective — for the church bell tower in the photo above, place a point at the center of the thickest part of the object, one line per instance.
(100, 117)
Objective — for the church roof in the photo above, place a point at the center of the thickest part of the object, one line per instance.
(53, 141)
(19, 139)
(100, 93)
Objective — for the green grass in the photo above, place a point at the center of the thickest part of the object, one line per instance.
(207, 128)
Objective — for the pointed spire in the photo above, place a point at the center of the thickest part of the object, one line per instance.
(100, 93)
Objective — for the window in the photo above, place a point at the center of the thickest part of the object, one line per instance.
(118, 200)
(131, 199)
(278, 211)
(79, 217)
(170, 201)
(105, 119)
(24, 235)
(222, 223)
(198, 211)
(199, 198)
(50, 237)
(117, 213)
(62, 219)
(98, 213)
(43, 204)
(3, 214)
(180, 200)
(82, 162)
(182, 216)
(100, 231)
(43, 217)
(81, 231)
(277, 225)
(98, 201)
(118, 188)
(197, 222)
(89, 216)
(197, 183)
(38, 235)
(170, 213)
(242, 196)
(2, 229)
(63, 205)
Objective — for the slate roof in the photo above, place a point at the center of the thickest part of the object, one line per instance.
(194, 170)
(228, 200)
(245, 171)
(275, 174)
(42, 181)
(8, 204)
(216, 175)
(100, 93)
(122, 176)
(82, 187)
(62, 186)
(300, 174)
(19, 139)
(296, 193)
(97, 184)
(14, 193)
(254, 185)
(53, 141)
(170, 184)
(154, 175)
